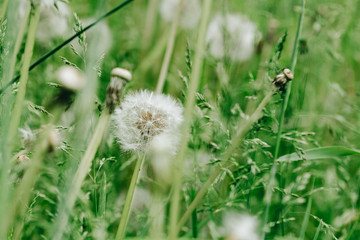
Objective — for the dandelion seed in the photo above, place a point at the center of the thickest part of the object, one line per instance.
(70, 77)
(232, 35)
(54, 22)
(143, 116)
(241, 227)
(189, 14)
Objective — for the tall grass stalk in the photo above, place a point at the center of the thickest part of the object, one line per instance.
(23, 192)
(150, 23)
(19, 101)
(189, 107)
(243, 128)
(282, 116)
(80, 174)
(3, 10)
(169, 50)
(129, 198)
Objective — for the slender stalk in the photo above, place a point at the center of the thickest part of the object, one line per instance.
(169, 50)
(84, 166)
(16, 113)
(129, 198)
(244, 127)
(150, 23)
(282, 116)
(19, 39)
(24, 190)
(316, 236)
(3, 10)
(189, 107)
(59, 47)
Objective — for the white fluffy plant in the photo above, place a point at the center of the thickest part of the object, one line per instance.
(233, 36)
(190, 12)
(240, 227)
(142, 123)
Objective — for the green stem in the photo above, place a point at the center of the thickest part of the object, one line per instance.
(244, 127)
(3, 10)
(85, 164)
(129, 199)
(189, 107)
(169, 50)
(16, 113)
(282, 113)
(24, 190)
(150, 23)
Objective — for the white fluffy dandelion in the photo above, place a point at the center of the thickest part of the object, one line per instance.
(241, 227)
(54, 22)
(232, 35)
(189, 14)
(145, 115)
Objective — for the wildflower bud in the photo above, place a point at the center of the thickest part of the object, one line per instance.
(22, 158)
(119, 78)
(70, 78)
(282, 79)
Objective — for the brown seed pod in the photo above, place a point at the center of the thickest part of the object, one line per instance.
(119, 78)
(282, 79)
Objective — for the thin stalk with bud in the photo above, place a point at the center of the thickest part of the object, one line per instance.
(169, 50)
(268, 193)
(119, 79)
(185, 129)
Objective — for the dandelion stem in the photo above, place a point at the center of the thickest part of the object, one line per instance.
(3, 10)
(189, 107)
(129, 198)
(169, 50)
(243, 129)
(282, 114)
(150, 22)
(59, 47)
(16, 113)
(80, 175)
(23, 192)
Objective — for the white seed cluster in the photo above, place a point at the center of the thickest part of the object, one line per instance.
(232, 35)
(190, 12)
(145, 115)
(241, 227)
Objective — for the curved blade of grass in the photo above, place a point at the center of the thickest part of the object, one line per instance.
(320, 153)
(59, 47)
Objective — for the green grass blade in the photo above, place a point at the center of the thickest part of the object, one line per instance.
(320, 153)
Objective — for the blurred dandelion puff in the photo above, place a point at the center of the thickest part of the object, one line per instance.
(240, 227)
(190, 12)
(145, 115)
(232, 35)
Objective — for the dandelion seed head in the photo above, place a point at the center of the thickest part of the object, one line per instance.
(189, 14)
(54, 22)
(241, 227)
(145, 115)
(232, 35)
(70, 77)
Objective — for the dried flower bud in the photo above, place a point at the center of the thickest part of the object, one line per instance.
(119, 78)
(70, 78)
(282, 79)
(22, 158)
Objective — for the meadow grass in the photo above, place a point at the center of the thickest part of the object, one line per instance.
(251, 161)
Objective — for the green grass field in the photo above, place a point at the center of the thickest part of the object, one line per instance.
(233, 120)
